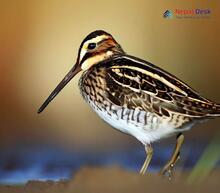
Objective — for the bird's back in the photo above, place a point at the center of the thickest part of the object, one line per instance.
(141, 77)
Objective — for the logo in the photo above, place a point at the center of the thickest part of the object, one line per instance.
(192, 13)
(167, 14)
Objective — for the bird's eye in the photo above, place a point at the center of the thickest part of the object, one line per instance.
(91, 46)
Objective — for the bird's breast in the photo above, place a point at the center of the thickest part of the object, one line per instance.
(92, 85)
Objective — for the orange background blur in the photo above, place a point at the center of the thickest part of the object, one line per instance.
(39, 41)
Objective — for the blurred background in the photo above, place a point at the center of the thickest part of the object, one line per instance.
(39, 44)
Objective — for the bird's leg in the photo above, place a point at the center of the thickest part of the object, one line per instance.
(167, 169)
(149, 152)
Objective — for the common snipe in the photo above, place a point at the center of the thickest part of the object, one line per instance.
(135, 96)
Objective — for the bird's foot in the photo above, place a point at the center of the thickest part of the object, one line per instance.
(167, 171)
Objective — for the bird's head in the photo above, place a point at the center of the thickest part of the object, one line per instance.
(97, 47)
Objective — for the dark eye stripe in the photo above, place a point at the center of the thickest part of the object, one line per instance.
(86, 56)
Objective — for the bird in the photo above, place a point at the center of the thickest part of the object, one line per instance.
(135, 96)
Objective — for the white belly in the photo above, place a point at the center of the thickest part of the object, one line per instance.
(147, 129)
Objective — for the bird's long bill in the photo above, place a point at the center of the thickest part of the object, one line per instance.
(60, 86)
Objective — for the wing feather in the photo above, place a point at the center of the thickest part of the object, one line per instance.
(139, 84)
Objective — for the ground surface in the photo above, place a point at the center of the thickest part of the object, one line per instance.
(114, 179)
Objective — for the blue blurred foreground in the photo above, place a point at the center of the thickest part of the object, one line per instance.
(50, 163)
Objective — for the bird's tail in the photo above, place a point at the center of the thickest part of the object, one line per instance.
(215, 110)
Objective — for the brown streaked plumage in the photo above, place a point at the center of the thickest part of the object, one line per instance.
(135, 96)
